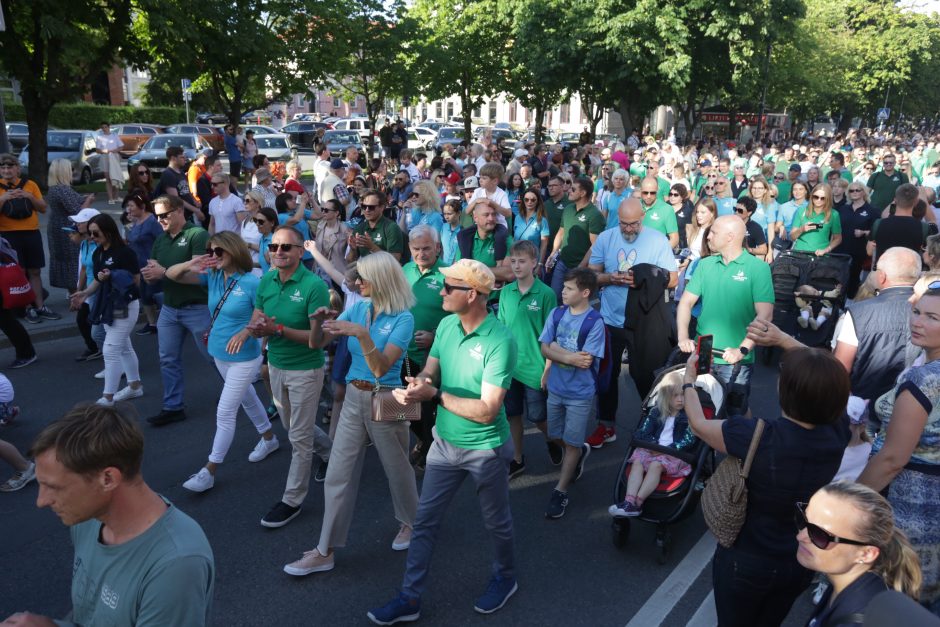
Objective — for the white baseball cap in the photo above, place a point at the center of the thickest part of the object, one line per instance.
(84, 215)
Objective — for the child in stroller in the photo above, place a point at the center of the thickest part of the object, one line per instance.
(666, 425)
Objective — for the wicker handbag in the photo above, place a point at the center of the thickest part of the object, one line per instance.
(724, 502)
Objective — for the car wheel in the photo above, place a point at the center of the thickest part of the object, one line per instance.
(85, 178)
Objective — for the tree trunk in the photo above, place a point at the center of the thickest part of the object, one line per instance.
(37, 118)
(539, 128)
(629, 116)
(465, 106)
(848, 112)
(732, 123)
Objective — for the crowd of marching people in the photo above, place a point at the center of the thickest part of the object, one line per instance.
(438, 302)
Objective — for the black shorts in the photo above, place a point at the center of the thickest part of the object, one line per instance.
(235, 169)
(28, 247)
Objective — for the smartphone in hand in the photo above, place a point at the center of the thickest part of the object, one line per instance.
(704, 350)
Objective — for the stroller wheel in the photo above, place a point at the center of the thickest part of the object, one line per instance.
(620, 529)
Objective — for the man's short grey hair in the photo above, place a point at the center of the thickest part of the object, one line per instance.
(901, 265)
(425, 230)
(620, 174)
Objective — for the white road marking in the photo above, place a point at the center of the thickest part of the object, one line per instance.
(705, 615)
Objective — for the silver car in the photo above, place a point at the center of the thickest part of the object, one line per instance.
(76, 146)
(276, 147)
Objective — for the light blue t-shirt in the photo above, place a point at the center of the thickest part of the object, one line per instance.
(449, 244)
(85, 253)
(234, 315)
(616, 255)
(765, 216)
(785, 214)
(567, 381)
(531, 230)
(263, 248)
(383, 329)
(433, 219)
(612, 206)
(725, 206)
(301, 226)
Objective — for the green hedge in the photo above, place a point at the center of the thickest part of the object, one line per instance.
(90, 116)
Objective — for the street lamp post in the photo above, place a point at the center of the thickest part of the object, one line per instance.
(4, 139)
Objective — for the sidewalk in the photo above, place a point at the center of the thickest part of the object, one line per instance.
(58, 298)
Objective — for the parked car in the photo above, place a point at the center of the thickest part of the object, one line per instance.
(339, 141)
(609, 139)
(449, 135)
(568, 138)
(204, 117)
(214, 135)
(259, 129)
(415, 141)
(153, 153)
(360, 125)
(256, 117)
(76, 146)
(18, 134)
(276, 147)
(426, 135)
(302, 133)
(434, 125)
(135, 135)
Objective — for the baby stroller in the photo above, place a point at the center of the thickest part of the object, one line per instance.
(803, 281)
(675, 498)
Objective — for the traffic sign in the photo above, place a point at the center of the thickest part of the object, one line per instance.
(884, 113)
(186, 83)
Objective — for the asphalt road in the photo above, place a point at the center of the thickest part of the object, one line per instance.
(568, 570)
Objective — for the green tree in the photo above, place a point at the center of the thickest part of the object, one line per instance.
(54, 49)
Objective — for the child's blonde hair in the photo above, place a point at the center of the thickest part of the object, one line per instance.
(670, 386)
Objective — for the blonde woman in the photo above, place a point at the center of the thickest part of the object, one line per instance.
(63, 202)
(766, 214)
(817, 229)
(379, 329)
(332, 235)
(249, 228)
(293, 184)
(422, 207)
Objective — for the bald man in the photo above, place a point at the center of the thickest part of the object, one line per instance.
(615, 252)
(735, 288)
(874, 333)
(658, 214)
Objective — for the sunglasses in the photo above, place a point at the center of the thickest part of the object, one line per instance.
(95, 233)
(673, 193)
(820, 538)
(218, 182)
(647, 193)
(819, 197)
(855, 191)
(449, 289)
(531, 199)
(260, 221)
(284, 248)
(143, 172)
(709, 188)
(217, 251)
(8, 164)
(163, 217)
(366, 207)
(740, 210)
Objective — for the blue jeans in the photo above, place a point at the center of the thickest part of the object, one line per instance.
(172, 328)
(740, 391)
(558, 278)
(447, 467)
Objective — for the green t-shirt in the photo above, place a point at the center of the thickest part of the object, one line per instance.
(169, 251)
(664, 188)
(784, 191)
(883, 188)
(818, 238)
(164, 576)
(484, 250)
(428, 310)
(525, 315)
(579, 226)
(661, 217)
(727, 294)
(292, 303)
(466, 361)
(554, 212)
(386, 236)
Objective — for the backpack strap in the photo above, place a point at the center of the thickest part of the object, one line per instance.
(589, 321)
(557, 314)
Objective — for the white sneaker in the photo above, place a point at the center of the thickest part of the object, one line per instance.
(128, 393)
(264, 448)
(201, 481)
(99, 375)
(104, 402)
(19, 479)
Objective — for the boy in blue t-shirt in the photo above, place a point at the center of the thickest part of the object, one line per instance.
(571, 379)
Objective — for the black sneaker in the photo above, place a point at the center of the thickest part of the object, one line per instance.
(320, 475)
(32, 316)
(166, 416)
(21, 362)
(280, 515)
(557, 504)
(516, 468)
(147, 329)
(47, 314)
(579, 469)
(555, 452)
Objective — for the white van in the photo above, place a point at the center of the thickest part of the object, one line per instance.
(360, 125)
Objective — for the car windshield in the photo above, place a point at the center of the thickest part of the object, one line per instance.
(162, 143)
(450, 133)
(342, 137)
(63, 142)
(271, 142)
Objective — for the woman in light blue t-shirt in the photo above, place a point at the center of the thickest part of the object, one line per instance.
(225, 270)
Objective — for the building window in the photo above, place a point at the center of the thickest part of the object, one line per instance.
(424, 111)
(450, 110)
(565, 114)
(337, 102)
(512, 111)
(477, 113)
(491, 119)
(439, 111)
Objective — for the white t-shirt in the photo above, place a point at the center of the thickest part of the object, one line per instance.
(108, 142)
(499, 197)
(320, 169)
(224, 213)
(6, 389)
(669, 425)
(845, 331)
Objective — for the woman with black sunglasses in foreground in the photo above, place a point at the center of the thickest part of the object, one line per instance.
(847, 533)
(758, 578)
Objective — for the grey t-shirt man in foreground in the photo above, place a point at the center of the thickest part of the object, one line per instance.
(138, 559)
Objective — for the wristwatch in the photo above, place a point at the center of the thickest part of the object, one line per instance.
(686, 386)
(744, 350)
(438, 398)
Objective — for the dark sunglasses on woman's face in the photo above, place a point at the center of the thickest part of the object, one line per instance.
(285, 248)
(217, 251)
(260, 221)
(143, 172)
(820, 538)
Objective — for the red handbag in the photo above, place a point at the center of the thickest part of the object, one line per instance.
(15, 289)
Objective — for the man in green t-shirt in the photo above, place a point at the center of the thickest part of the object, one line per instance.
(735, 288)
(882, 185)
(288, 296)
(472, 358)
(658, 215)
(184, 308)
(555, 206)
(488, 242)
(581, 223)
(375, 232)
(423, 273)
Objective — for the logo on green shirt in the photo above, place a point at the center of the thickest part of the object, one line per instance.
(534, 306)
(739, 276)
(477, 351)
(296, 297)
(182, 242)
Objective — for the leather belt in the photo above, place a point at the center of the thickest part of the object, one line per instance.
(362, 384)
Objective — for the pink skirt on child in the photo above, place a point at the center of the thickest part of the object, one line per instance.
(672, 466)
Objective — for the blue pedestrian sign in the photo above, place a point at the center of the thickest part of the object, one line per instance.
(884, 113)
(186, 83)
